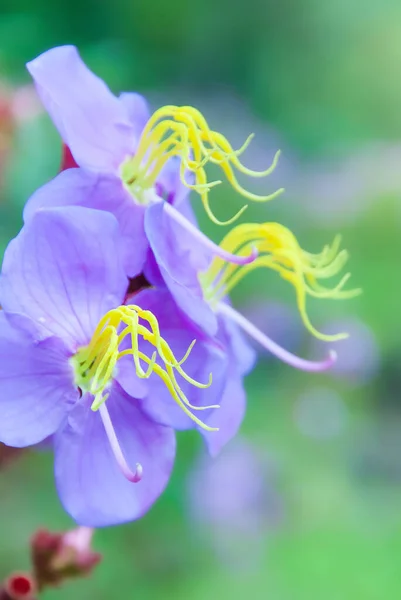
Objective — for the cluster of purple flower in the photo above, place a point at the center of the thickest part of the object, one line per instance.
(116, 329)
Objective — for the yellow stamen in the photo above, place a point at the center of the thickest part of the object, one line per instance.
(94, 364)
(279, 250)
(182, 131)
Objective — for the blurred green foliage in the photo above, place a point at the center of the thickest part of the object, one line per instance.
(325, 77)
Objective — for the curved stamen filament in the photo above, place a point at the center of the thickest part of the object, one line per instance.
(133, 476)
(182, 131)
(95, 363)
(279, 251)
(177, 393)
(274, 348)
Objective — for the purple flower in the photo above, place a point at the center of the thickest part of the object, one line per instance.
(116, 145)
(227, 356)
(140, 168)
(76, 365)
(201, 284)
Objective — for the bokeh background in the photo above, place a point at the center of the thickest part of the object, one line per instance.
(306, 503)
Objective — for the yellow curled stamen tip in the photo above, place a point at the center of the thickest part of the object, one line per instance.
(206, 186)
(267, 171)
(244, 145)
(201, 187)
(280, 191)
(187, 353)
(274, 194)
(335, 337)
(208, 428)
(229, 221)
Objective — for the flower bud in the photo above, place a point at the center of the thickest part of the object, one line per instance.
(59, 556)
(18, 586)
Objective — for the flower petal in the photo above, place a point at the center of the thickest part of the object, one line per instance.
(206, 357)
(170, 185)
(90, 119)
(64, 271)
(91, 487)
(152, 272)
(102, 192)
(204, 360)
(229, 416)
(129, 381)
(242, 353)
(137, 109)
(179, 258)
(36, 386)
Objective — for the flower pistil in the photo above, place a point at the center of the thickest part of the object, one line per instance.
(119, 334)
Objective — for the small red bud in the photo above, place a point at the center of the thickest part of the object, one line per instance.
(18, 586)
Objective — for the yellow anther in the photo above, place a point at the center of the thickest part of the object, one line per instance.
(279, 250)
(182, 131)
(94, 364)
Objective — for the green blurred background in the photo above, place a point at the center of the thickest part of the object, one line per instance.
(317, 515)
